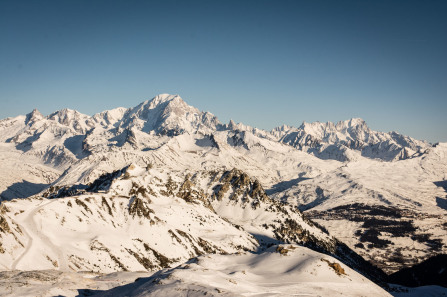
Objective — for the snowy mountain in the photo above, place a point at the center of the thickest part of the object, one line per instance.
(149, 187)
(336, 141)
(168, 115)
(149, 218)
(67, 135)
(137, 224)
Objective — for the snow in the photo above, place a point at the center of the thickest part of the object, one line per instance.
(86, 232)
(48, 283)
(316, 167)
(22, 175)
(298, 272)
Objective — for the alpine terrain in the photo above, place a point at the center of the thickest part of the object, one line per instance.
(163, 199)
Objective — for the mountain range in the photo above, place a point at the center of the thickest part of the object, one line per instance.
(154, 186)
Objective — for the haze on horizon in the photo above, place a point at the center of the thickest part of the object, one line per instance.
(262, 63)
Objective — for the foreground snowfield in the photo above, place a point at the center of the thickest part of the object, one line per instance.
(203, 277)
(226, 278)
(50, 283)
(284, 270)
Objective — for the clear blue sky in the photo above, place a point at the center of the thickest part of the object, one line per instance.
(263, 63)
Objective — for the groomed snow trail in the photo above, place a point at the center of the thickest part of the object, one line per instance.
(31, 230)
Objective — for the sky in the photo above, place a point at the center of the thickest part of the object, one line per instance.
(262, 63)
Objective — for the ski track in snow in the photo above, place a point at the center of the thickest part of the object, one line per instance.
(29, 244)
(30, 229)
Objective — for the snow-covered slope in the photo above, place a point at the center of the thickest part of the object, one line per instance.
(23, 175)
(150, 218)
(285, 270)
(50, 283)
(139, 224)
(392, 213)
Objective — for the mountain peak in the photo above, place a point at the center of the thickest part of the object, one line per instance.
(163, 98)
(66, 115)
(282, 128)
(353, 122)
(232, 125)
(169, 114)
(316, 128)
(65, 112)
(33, 116)
(162, 105)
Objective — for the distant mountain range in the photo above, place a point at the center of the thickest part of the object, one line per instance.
(169, 115)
